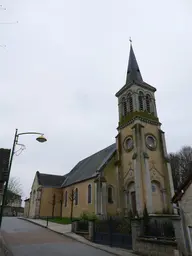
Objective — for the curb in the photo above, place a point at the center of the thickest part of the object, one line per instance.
(20, 218)
(78, 240)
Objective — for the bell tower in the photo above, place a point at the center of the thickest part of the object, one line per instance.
(144, 172)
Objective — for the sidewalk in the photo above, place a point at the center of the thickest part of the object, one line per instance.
(66, 231)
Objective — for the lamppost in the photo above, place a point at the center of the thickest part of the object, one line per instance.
(41, 139)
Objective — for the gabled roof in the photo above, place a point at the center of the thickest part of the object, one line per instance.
(182, 189)
(50, 180)
(90, 166)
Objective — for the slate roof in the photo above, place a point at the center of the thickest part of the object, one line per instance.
(133, 72)
(134, 75)
(88, 167)
(50, 180)
(182, 189)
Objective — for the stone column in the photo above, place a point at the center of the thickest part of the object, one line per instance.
(137, 186)
(163, 191)
(137, 168)
(117, 187)
(134, 97)
(104, 198)
(137, 101)
(149, 200)
(101, 198)
(135, 227)
(96, 198)
(147, 178)
(91, 230)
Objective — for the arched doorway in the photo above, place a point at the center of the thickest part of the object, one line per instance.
(131, 198)
(157, 197)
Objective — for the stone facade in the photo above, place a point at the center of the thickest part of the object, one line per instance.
(149, 246)
(26, 208)
(145, 173)
(186, 205)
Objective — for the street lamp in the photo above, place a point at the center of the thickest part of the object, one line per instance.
(40, 139)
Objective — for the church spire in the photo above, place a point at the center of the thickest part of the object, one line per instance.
(133, 72)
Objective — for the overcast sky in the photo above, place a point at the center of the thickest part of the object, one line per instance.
(65, 60)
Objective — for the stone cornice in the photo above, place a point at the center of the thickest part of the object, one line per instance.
(143, 119)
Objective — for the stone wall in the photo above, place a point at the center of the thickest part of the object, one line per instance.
(152, 247)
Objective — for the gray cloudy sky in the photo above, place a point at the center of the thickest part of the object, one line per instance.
(66, 59)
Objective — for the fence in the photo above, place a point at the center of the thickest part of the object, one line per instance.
(113, 231)
(158, 229)
(82, 226)
(153, 238)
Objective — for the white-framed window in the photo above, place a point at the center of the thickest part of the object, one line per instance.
(65, 198)
(76, 196)
(110, 194)
(89, 194)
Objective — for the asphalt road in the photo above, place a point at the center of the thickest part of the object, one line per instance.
(27, 239)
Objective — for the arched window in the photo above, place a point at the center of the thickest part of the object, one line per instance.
(153, 187)
(110, 194)
(124, 107)
(130, 102)
(65, 199)
(148, 103)
(89, 194)
(76, 196)
(141, 102)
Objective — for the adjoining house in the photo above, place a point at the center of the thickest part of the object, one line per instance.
(26, 207)
(130, 175)
(13, 199)
(13, 204)
(183, 200)
(46, 195)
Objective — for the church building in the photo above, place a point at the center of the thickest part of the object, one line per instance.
(129, 175)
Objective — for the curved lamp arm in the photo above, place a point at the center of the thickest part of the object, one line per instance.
(23, 133)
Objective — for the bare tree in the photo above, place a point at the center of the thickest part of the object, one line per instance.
(181, 164)
(53, 202)
(14, 190)
(72, 198)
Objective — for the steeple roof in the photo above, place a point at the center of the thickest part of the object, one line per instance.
(134, 75)
(133, 71)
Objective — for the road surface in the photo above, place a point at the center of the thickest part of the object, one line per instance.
(27, 239)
